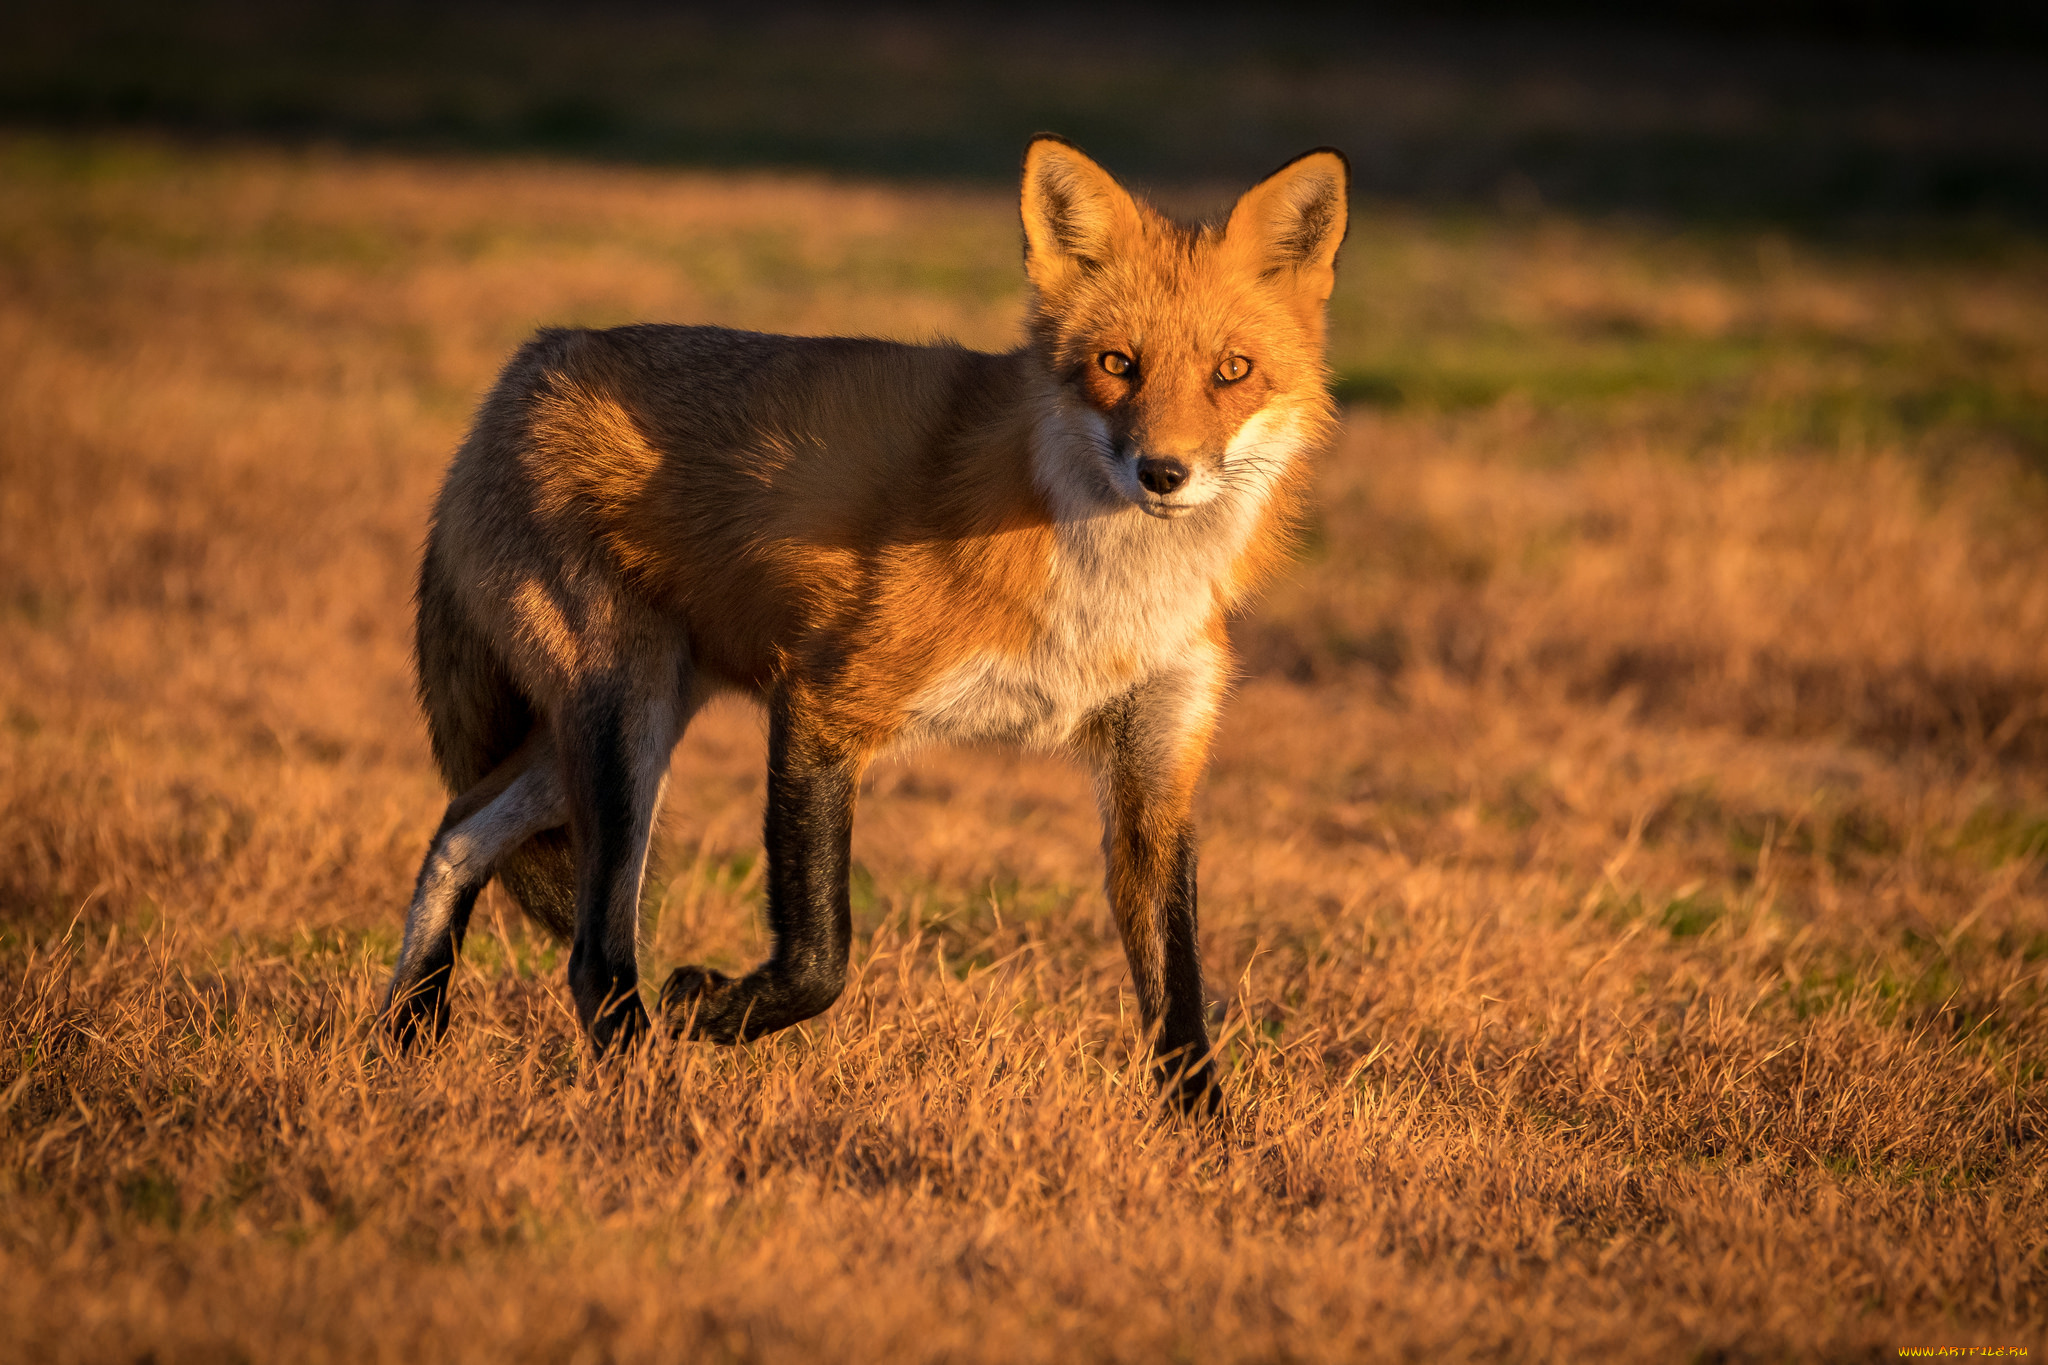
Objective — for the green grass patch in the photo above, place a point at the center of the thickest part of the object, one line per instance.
(1998, 834)
(520, 952)
(152, 1196)
(1691, 915)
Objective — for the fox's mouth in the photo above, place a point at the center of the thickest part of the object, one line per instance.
(1163, 509)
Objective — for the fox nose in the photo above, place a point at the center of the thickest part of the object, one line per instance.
(1162, 474)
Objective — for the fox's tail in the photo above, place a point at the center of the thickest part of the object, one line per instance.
(476, 718)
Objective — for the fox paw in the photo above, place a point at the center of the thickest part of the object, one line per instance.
(1196, 1097)
(416, 1020)
(704, 1002)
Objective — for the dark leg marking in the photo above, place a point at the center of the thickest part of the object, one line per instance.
(809, 840)
(1146, 768)
(1183, 1067)
(520, 798)
(614, 760)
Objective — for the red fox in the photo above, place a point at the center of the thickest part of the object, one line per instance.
(886, 545)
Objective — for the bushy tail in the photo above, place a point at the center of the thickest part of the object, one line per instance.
(476, 718)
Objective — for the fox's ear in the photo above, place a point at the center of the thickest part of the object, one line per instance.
(1074, 213)
(1292, 222)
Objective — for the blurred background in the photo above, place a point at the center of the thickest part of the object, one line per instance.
(1813, 111)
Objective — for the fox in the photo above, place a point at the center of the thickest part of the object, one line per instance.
(886, 545)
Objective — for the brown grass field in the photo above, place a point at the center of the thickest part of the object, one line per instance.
(1626, 862)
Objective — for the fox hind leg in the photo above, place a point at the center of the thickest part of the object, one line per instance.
(520, 798)
(615, 743)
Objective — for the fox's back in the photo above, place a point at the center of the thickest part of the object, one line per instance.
(815, 434)
(769, 497)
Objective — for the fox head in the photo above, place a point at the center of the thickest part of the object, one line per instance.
(1193, 357)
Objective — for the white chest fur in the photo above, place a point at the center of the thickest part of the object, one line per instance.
(1129, 596)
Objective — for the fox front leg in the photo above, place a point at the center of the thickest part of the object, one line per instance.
(1148, 747)
(809, 842)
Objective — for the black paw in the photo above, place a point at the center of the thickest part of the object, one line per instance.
(619, 1028)
(417, 1020)
(704, 1002)
(1195, 1095)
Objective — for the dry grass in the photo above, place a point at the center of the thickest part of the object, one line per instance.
(1624, 860)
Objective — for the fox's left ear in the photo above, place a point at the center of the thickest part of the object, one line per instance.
(1293, 221)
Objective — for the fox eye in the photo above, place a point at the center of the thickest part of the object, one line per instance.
(1116, 362)
(1233, 369)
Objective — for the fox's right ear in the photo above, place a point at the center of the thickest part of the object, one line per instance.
(1074, 213)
